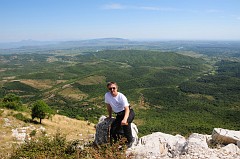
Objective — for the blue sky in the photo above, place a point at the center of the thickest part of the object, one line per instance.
(131, 19)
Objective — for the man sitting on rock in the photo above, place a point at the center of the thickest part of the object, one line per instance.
(118, 103)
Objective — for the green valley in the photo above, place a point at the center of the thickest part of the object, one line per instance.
(170, 92)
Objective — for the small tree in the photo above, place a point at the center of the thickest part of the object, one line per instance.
(41, 110)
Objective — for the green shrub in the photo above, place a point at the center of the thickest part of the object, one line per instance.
(12, 101)
(19, 116)
(33, 133)
(80, 118)
(58, 147)
(46, 147)
(1, 112)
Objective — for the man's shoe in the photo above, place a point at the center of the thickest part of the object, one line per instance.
(129, 144)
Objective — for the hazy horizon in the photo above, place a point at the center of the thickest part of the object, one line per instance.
(62, 20)
(136, 40)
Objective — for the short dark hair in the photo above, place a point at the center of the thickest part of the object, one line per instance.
(110, 83)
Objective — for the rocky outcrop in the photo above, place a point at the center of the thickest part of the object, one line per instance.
(22, 134)
(102, 131)
(159, 145)
(197, 146)
(221, 144)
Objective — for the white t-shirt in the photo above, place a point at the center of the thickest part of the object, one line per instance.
(117, 103)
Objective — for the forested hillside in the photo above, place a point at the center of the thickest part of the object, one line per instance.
(171, 93)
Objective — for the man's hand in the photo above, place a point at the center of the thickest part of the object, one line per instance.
(124, 122)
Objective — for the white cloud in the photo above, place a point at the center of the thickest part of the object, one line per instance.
(237, 17)
(117, 6)
(113, 6)
(157, 8)
(213, 11)
(147, 8)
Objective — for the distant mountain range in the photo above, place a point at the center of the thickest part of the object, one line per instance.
(90, 42)
(11, 45)
(212, 48)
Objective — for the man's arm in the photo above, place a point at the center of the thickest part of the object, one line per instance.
(127, 111)
(109, 108)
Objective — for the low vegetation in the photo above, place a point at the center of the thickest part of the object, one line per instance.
(46, 147)
(58, 147)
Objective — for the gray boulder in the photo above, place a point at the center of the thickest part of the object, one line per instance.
(103, 129)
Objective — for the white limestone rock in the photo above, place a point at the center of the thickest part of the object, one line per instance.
(159, 145)
(18, 136)
(197, 141)
(230, 149)
(165, 146)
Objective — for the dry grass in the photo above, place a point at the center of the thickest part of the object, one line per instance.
(39, 84)
(191, 54)
(60, 81)
(9, 78)
(72, 93)
(3, 69)
(6, 138)
(73, 129)
(92, 80)
(199, 96)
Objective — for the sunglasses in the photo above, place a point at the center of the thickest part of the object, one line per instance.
(112, 88)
